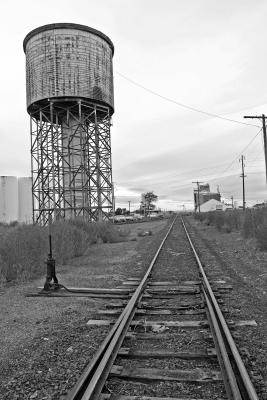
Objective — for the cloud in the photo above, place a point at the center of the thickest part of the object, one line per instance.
(200, 53)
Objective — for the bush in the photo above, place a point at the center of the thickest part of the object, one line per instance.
(24, 248)
(200, 216)
(261, 236)
(210, 218)
(68, 241)
(219, 219)
(249, 227)
(227, 221)
(232, 220)
(252, 223)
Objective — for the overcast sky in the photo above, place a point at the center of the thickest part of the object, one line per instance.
(205, 54)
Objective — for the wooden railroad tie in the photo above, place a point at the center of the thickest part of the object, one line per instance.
(171, 324)
(108, 396)
(126, 352)
(154, 374)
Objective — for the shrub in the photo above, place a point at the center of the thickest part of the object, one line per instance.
(236, 220)
(227, 227)
(252, 223)
(24, 248)
(219, 219)
(210, 218)
(3, 270)
(261, 236)
(68, 241)
(232, 220)
(200, 216)
(249, 228)
(105, 231)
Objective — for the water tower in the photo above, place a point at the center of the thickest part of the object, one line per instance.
(70, 100)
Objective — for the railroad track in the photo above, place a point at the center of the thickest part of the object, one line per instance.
(171, 339)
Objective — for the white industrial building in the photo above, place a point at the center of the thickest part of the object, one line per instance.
(212, 205)
(15, 199)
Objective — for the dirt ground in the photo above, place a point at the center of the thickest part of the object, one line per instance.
(40, 337)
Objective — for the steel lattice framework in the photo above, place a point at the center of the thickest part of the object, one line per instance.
(71, 160)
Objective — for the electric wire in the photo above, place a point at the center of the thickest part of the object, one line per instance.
(199, 111)
(182, 104)
(216, 176)
(242, 151)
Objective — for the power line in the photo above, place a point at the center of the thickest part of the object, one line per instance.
(257, 156)
(255, 173)
(192, 171)
(263, 119)
(181, 104)
(252, 140)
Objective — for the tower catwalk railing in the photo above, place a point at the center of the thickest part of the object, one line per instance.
(71, 161)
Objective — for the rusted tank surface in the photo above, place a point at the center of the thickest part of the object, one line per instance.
(68, 61)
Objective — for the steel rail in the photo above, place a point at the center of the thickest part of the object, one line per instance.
(231, 385)
(90, 384)
(245, 385)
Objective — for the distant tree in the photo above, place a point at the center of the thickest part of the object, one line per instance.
(147, 200)
(118, 211)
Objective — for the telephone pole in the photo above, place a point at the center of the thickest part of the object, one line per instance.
(243, 181)
(262, 117)
(129, 205)
(198, 200)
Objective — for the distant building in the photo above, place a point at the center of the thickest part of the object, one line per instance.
(25, 199)
(260, 205)
(229, 206)
(8, 198)
(213, 205)
(15, 199)
(204, 194)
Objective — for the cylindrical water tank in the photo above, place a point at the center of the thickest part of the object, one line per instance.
(25, 199)
(8, 199)
(71, 61)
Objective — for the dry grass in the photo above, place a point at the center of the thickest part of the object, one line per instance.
(24, 248)
(251, 223)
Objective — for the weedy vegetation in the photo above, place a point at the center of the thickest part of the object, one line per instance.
(251, 223)
(24, 248)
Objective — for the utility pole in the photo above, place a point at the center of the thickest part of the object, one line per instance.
(243, 181)
(198, 200)
(262, 117)
(232, 198)
(129, 206)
